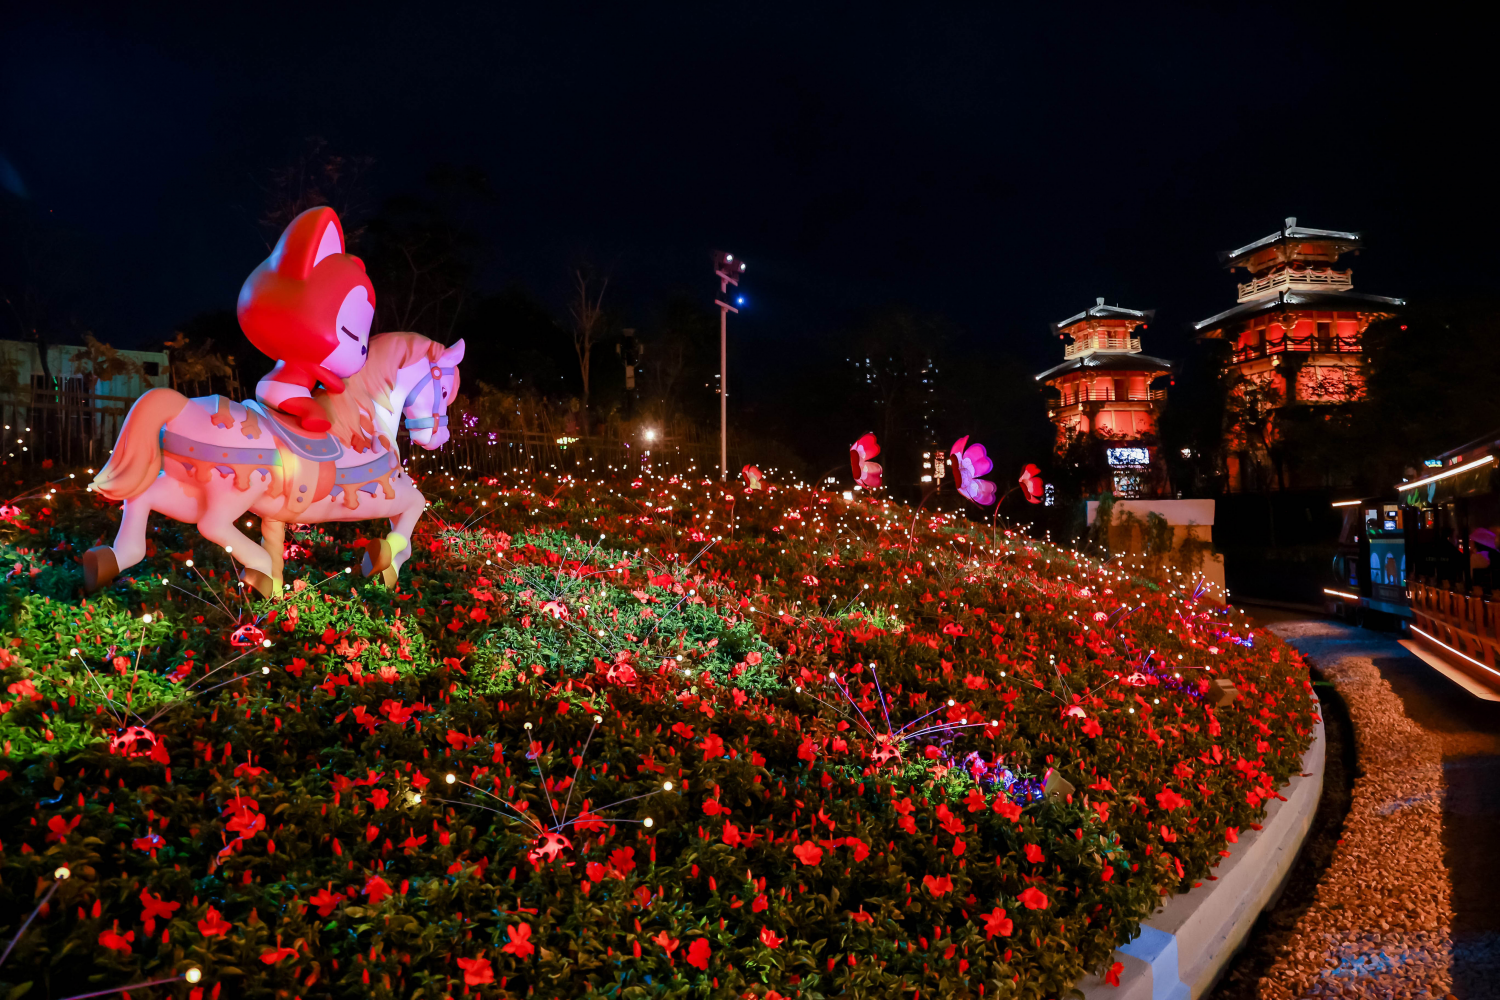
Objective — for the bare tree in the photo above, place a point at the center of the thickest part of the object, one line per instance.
(587, 313)
(316, 175)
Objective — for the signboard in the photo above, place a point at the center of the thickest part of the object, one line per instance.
(1127, 457)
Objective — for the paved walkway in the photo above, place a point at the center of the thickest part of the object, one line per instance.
(1409, 905)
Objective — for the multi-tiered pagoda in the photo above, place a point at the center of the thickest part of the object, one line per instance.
(1296, 339)
(1107, 391)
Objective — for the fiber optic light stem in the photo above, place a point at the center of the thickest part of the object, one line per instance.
(724, 310)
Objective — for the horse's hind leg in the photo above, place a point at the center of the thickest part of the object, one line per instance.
(225, 504)
(102, 563)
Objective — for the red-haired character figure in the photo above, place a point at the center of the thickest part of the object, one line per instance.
(309, 305)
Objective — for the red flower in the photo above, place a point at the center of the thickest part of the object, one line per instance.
(808, 853)
(61, 828)
(731, 834)
(1033, 854)
(520, 942)
(1032, 898)
(325, 901)
(1112, 977)
(113, 941)
(938, 886)
(668, 944)
(1031, 484)
(712, 747)
(477, 971)
(698, 954)
(214, 924)
(1091, 727)
(377, 889)
(1169, 800)
(807, 751)
(155, 907)
(277, 954)
(996, 922)
(1008, 809)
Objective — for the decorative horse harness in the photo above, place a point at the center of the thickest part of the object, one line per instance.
(434, 380)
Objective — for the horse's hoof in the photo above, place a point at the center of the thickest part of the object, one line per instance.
(99, 568)
(388, 577)
(258, 581)
(378, 557)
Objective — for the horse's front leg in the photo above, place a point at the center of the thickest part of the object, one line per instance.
(225, 504)
(397, 544)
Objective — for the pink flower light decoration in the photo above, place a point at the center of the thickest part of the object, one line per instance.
(1031, 484)
(969, 463)
(866, 473)
(752, 478)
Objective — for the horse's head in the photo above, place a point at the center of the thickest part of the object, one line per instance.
(426, 405)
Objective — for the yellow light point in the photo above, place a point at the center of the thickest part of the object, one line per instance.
(193, 975)
(63, 873)
(648, 822)
(450, 778)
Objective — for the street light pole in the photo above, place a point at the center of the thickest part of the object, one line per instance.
(728, 270)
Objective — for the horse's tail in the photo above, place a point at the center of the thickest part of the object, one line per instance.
(136, 459)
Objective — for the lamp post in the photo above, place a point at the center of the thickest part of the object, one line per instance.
(729, 270)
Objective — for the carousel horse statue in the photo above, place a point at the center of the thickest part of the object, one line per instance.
(210, 460)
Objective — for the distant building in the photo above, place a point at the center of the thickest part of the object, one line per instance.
(1296, 338)
(1108, 391)
(76, 415)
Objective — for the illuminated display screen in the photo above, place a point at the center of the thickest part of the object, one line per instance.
(1128, 456)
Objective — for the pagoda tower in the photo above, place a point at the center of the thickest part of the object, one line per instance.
(1295, 339)
(1103, 391)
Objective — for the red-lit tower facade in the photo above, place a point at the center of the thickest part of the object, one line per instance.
(1106, 391)
(1296, 341)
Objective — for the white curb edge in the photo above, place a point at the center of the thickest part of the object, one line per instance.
(1186, 945)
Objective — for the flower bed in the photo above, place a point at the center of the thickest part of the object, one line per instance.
(702, 741)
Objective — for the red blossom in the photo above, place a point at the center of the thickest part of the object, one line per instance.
(325, 901)
(938, 886)
(519, 944)
(1170, 800)
(808, 853)
(769, 939)
(698, 954)
(996, 922)
(112, 940)
(1112, 977)
(214, 924)
(1033, 899)
(378, 889)
(477, 971)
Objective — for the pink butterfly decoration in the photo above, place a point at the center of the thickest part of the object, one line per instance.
(866, 473)
(969, 463)
(1031, 484)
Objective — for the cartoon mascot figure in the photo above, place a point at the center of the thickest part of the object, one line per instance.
(309, 306)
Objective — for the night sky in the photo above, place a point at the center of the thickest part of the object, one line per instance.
(1001, 167)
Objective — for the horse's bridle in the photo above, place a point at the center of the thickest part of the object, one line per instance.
(440, 403)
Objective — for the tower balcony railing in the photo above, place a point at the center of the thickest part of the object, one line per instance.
(1102, 342)
(1289, 279)
(1310, 344)
(1106, 394)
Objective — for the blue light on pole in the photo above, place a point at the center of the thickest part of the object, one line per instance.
(739, 301)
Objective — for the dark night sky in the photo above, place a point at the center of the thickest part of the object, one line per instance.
(1001, 165)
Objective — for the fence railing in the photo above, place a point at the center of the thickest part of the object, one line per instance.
(66, 425)
(1310, 344)
(1101, 342)
(1294, 279)
(1107, 394)
(1460, 626)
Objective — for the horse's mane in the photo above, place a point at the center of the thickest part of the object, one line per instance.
(389, 353)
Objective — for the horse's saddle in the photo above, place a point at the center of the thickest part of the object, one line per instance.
(323, 448)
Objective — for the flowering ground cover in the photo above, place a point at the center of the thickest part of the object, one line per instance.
(636, 738)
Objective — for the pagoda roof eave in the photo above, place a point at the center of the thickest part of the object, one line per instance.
(1358, 301)
(1102, 311)
(1350, 241)
(1109, 362)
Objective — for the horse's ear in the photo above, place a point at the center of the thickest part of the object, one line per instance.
(313, 235)
(453, 355)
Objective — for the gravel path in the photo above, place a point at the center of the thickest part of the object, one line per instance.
(1409, 905)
